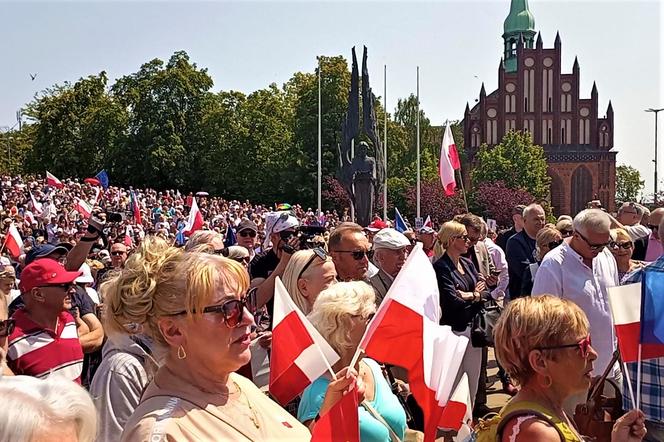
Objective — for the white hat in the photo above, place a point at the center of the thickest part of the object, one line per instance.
(86, 275)
(390, 239)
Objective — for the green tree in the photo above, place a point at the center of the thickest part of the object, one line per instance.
(515, 161)
(628, 183)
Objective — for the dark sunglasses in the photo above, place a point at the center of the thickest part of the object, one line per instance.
(566, 233)
(231, 310)
(620, 245)
(359, 254)
(583, 345)
(319, 253)
(653, 228)
(286, 235)
(554, 244)
(6, 327)
(65, 287)
(593, 247)
(463, 237)
(245, 233)
(118, 253)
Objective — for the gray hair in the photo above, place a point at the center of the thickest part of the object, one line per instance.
(32, 404)
(591, 220)
(201, 238)
(530, 208)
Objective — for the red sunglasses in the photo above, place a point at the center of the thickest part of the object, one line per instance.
(583, 345)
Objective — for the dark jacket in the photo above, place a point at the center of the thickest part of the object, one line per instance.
(519, 254)
(457, 313)
(640, 248)
(501, 240)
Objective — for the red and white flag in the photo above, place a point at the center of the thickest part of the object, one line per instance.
(341, 423)
(458, 412)
(14, 242)
(300, 355)
(29, 218)
(36, 205)
(128, 241)
(449, 162)
(84, 208)
(51, 180)
(427, 222)
(625, 301)
(195, 220)
(405, 332)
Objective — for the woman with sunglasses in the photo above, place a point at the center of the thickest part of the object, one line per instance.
(546, 240)
(462, 293)
(341, 314)
(544, 344)
(622, 247)
(193, 308)
(308, 273)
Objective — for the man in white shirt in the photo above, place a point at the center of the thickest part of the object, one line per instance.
(581, 270)
(500, 262)
(629, 218)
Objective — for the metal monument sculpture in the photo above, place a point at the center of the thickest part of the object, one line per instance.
(361, 175)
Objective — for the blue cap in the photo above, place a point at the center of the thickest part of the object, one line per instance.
(43, 251)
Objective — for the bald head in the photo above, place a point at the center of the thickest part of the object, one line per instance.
(656, 219)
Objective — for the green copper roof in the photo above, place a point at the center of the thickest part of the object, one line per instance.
(519, 19)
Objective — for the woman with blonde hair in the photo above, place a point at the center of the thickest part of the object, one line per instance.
(544, 344)
(622, 247)
(193, 308)
(341, 314)
(308, 273)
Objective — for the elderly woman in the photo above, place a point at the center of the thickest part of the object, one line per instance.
(622, 247)
(544, 344)
(547, 238)
(45, 410)
(192, 306)
(308, 273)
(565, 226)
(462, 293)
(341, 314)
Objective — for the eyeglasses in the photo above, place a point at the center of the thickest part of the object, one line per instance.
(367, 318)
(118, 253)
(465, 238)
(6, 327)
(591, 246)
(358, 254)
(318, 253)
(231, 310)
(65, 287)
(653, 228)
(566, 233)
(287, 234)
(583, 345)
(621, 245)
(222, 252)
(554, 244)
(247, 232)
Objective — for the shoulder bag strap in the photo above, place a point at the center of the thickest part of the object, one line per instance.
(379, 418)
(511, 415)
(599, 385)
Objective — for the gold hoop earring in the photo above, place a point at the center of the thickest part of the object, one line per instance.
(181, 353)
(549, 383)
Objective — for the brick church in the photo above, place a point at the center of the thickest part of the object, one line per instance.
(535, 95)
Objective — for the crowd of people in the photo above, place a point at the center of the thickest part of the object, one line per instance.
(122, 324)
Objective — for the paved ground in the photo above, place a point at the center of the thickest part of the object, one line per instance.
(495, 396)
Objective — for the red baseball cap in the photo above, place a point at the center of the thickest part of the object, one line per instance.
(45, 271)
(376, 225)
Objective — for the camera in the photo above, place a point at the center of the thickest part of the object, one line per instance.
(308, 236)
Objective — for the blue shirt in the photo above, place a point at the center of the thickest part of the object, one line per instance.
(385, 403)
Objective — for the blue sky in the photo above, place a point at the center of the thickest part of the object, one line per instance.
(248, 45)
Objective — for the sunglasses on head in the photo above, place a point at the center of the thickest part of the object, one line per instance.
(583, 345)
(232, 310)
(554, 244)
(359, 254)
(246, 233)
(319, 253)
(6, 327)
(620, 245)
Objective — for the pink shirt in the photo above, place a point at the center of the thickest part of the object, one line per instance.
(654, 250)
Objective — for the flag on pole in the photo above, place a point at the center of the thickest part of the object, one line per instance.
(135, 209)
(449, 162)
(103, 179)
(625, 301)
(14, 242)
(652, 306)
(195, 220)
(83, 207)
(405, 332)
(300, 355)
(399, 223)
(29, 218)
(128, 241)
(230, 238)
(341, 423)
(36, 205)
(458, 412)
(51, 180)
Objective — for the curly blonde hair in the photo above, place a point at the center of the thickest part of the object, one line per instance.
(160, 280)
(533, 322)
(334, 310)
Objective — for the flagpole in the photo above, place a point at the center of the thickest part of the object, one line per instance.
(629, 384)
(319, 138)
(638, 380)
(418, 142)
(463, 190)
(385, 143)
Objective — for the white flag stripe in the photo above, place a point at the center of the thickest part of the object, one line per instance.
(25, 345)
(625, 302)
(456, 359)
(70, 331)
(309, 362)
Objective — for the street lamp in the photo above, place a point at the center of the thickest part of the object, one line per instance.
(655, 111)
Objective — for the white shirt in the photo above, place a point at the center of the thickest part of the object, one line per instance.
(637, 231)
(500, 262)
(563, 273)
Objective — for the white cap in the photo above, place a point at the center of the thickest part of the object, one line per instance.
(86, 275)
(390, 239)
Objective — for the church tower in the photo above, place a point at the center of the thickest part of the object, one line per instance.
(519, 25)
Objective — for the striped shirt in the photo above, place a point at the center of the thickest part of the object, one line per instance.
(36, 351)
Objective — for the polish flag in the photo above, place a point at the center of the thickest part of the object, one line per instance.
(51, 180)
(29, 218)
(427, 222)
(36, 205)
(84, 208)
(458, 412)
(625, 301)
(128, 241)
(449, 162)
(195, 221)
(341, 423)
(135, 209)
(300, 355)
(405, 332)
(13, 242)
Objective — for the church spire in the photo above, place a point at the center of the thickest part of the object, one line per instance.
(519, 23)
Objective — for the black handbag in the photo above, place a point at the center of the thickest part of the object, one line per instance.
(483, 323)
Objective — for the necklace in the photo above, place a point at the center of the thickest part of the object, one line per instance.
(253, 416)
